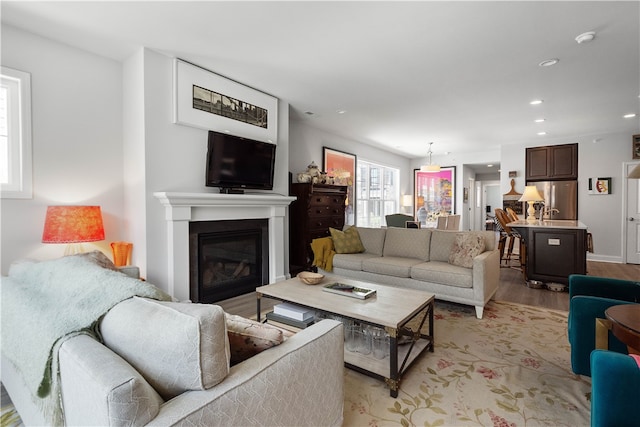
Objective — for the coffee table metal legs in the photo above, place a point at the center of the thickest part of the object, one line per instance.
(417, 343)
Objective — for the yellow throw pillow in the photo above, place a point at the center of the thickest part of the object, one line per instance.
(347, 241)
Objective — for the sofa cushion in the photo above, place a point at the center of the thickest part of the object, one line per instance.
(176, 346)
(352, 261)
(441, 243)
(443, 273)
(347, 241)
(407, 243)
(390, 266)
(248, 337)
(465, 248)
(372, 239)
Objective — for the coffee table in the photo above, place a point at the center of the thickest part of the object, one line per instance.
(402, 313)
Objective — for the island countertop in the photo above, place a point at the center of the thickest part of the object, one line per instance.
(549, 223)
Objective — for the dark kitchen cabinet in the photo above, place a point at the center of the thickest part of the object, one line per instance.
(554, 162)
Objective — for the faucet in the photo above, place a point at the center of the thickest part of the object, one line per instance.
(547, 210)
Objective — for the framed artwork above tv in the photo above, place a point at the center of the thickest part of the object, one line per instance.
(206, 100)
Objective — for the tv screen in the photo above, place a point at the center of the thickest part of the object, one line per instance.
(235, 163)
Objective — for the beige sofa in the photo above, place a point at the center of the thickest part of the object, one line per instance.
(422, 259)
(166, 363)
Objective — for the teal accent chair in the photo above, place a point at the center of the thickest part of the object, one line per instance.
(615, 383)
(397, 220)
(589, 297)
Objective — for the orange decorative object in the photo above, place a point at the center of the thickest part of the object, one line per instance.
(73, 224)
(121, 253)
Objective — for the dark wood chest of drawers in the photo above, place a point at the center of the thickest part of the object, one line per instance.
(317, 208)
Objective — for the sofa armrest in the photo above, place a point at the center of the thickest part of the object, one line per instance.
(619, 289)
(486, 275)
(100, 388)
(583, 311)
(614, 389)
(299, 382)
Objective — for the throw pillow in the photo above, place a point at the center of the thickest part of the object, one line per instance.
(347, 241)
(175, 346)
(465, 248)
(248, 337)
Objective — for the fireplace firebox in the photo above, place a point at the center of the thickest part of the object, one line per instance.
(227, 258)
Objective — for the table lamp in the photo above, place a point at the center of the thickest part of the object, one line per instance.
(73, 225)
(531, 195)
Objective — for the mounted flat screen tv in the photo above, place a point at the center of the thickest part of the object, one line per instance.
(235, 164)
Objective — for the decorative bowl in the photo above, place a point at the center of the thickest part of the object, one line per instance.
(557, 287)
(535, 284)
(310, 278)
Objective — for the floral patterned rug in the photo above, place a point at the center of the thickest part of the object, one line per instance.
(511, 368)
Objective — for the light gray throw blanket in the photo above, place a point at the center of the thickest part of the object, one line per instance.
(45, 303)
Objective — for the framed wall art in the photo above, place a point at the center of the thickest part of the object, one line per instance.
(600, 186)
(342, 167)
(210, 101)
(434, 194)
(636, 146)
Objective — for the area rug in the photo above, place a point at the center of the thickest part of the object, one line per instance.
(511, 368)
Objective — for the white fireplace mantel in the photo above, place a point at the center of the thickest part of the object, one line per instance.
(182, 208)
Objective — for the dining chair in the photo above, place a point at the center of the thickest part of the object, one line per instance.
(453, 222)
(397, 220)
(512, 214)
(442, 223)
(508, 233)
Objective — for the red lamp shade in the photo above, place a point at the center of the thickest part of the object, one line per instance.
(73, 224)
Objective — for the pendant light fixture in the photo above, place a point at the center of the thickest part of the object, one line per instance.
(430, 167)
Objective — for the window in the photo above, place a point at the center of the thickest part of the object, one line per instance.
(378, 193)
(15, 134)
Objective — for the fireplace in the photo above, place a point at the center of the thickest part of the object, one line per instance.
(227, 258)
(181, 209)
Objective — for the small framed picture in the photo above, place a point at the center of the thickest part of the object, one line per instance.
(636, 146)
(599, 186)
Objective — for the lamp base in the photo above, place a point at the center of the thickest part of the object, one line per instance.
(74, 249)
(531, 211)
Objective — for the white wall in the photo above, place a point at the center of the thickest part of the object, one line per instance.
(173, 156)
(602, 214)
(307, 142)
(77, 142)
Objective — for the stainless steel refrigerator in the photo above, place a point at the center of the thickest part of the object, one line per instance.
(561, 195)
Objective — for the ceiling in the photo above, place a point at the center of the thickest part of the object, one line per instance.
(459, 74)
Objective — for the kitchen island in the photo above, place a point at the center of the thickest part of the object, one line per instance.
(554, 249)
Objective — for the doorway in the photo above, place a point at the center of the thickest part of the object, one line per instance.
(631, 219)
(491, 199)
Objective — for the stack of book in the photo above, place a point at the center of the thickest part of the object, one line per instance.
(292, 315)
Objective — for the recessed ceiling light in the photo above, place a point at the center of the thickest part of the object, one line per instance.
(549, 62)
(629, 116)
(309, 113)
(536, 102)
(586, 37)
(341, 111)
(489, 166)
(542, 133)
(539, 120)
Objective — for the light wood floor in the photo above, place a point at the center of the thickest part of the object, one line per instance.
(512, 288)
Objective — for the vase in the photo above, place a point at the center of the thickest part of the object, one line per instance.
(121, 253)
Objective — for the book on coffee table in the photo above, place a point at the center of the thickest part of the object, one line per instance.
(349, 290)
(300, 324)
